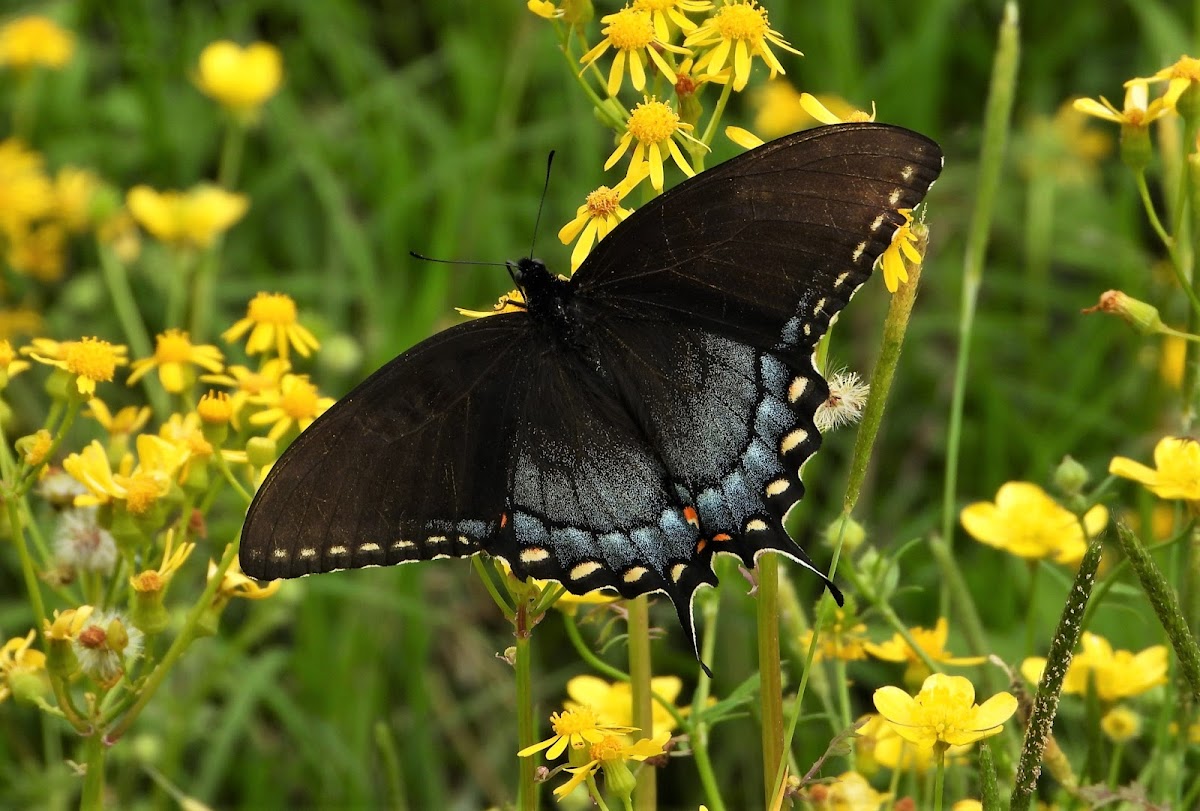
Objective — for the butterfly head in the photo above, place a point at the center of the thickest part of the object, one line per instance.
(544, 292)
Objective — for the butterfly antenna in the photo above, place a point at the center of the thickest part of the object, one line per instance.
(542, 204)
(425, 258)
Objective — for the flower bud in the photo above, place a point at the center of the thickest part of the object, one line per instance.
(1142, 316)
(846, 531)
(1070, 477)
(261, 451)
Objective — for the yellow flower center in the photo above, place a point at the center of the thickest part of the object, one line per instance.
(272, 308)
(630, 29)
(609, 747)
(148, 581)
(603, 202)
(653, 122)
(858, 115)
(142, 490)
(742, 22)
(299, 401)
(173, 346)
(91, 358)
(573, 722)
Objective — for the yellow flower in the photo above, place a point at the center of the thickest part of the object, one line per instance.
(184, 432)
(743, 137)
(18, 660)
(239, 78)
(35, 447)
(967, 805)
(839, 639)
(272, 324)
(511, 302)
(39, 252)
(138, 487)
(668, 13)
(631, 32)
(600, 213)
(740, 27)
(1176, 472)
(931, 641)
(66, 625)
(903, 248)
(544, 9)
(1181, 75)
(822, 114)
(91, 360)
(235, 584)
(10, 365)
(1171, 360)
(609, 753)
(878, 743)
(1121, 724)
(1116, 674)
(297, 403)
(1138, 113)
(215, 408)
(189, 219)
(34, 40)
(575, 728)
(126, 422)
(173, 353)
(850, 791)
(26, 194)
(777, 109)
(655, 126)
(1027, 522)
(74, 191)
(613, 701)
(250, 385)
(943, 712)
(155, 580)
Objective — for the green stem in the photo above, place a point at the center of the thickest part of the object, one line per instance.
(93, 780)
(231, 154)
(1045, 704)
(709, 609)
(1031, 612)
(177, 285)
(117, 281)
(939, 779)
(596, 795)
(204, 281)
(770, 669)
(991, 163)
(844, 707)
(187, 635)
(1166, 606)
(32, 585)
(645, 796)
(711, 130)
(955, 587)
(527, 790)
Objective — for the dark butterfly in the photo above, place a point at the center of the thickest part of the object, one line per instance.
(632, 421)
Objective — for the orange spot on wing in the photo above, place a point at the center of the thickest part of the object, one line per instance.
(700, 546)
(692, 517)
(503, 520)
(721, 536)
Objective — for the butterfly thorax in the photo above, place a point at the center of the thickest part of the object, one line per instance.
(547, 297)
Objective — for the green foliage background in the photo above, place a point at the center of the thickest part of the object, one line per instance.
(425, 127)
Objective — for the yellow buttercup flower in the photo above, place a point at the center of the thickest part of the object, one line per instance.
(600, 213)
(575, 728)
(272, 323)
(850, 791)
(26, 194)
(174, 353)
(944, 712)
(194, 218)
(655, 127)
(74, 191)
(250, 385)
(1180, 76)
(544, 9)
(18, 662)
(877, 743)
(241, 79)
(1027, 522)
(1176, 471)
(631, 32)
(1121, 724)
(39, 252)
(35, 41)
(903, 249)
(930, 640)
(613, 701)
(297, 404)
(126, 422)
(140, 487)
(822, 114)
(1137, 113)
(91, 360)
(1116, 674)
(741, 29)
(609, 754)
(841, 637)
